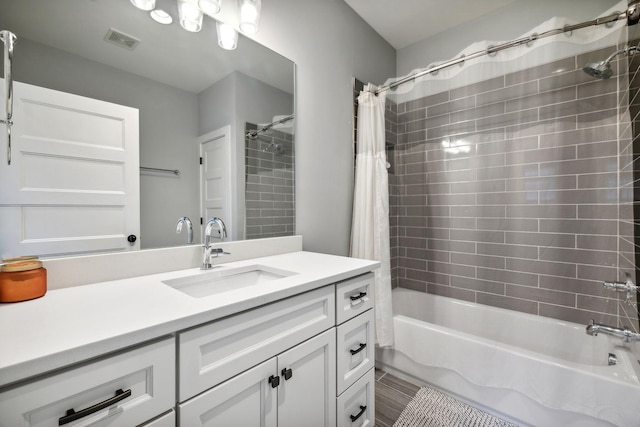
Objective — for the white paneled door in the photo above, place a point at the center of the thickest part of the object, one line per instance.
(215, 185)
(73, 183)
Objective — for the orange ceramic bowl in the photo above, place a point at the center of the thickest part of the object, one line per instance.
(22, 280)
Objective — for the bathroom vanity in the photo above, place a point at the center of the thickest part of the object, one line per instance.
(284, 340)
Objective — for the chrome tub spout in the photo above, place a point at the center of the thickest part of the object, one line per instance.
(625, 334)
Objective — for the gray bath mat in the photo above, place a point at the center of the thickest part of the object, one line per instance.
(430, 408)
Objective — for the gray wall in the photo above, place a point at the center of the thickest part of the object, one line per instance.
(330, 44)
(505, 24)
(527, 217)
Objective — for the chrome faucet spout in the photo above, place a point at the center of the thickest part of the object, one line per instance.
(185, 220)
(625, 334)
(217, 223)
(214, 222)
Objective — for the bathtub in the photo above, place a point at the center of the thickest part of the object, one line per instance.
(528, 369)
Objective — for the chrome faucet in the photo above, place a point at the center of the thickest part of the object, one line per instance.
(185, 220)
(627, 335)
(627, 286)
(214, 222)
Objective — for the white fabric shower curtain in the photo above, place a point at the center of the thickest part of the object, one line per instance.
(370, 225)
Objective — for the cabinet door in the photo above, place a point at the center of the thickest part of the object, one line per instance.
(247, 400)
(306, 396)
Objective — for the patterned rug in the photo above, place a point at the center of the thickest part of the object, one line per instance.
(431, 408)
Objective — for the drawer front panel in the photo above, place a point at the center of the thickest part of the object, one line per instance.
(354, 296)
(356, 349)
(167, 420)
(356, 406)
(212, 353)
(148, 372)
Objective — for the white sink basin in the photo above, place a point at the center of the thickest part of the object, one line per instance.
(216, 282)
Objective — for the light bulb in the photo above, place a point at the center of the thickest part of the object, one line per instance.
(227, 36)
(190, 16)
(210, 7)
(161, 16)
(249, 15)
(144, 4)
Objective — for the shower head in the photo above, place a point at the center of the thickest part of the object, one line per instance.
(599, 70)
(602, 70)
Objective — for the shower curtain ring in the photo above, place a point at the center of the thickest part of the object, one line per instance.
(566, 32)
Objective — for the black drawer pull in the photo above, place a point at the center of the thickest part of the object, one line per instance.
(359, 414)
(358, 297)
(287, 373)
(362, 346)
(73, 415)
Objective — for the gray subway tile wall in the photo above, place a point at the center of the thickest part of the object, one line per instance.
(269, 177)
(536, 214)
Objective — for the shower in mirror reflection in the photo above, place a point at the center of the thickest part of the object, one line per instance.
(602, 70)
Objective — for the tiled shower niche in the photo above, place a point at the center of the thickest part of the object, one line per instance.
(508, 192)
(269, 177)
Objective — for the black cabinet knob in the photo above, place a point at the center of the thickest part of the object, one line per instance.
(274, 381)
(287, 373)
(132, 238)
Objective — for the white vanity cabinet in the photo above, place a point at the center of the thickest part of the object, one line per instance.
(293, 353)
(122, 390)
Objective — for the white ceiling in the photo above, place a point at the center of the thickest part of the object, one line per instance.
(404, 22)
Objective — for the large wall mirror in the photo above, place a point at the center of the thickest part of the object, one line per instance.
(186, 89)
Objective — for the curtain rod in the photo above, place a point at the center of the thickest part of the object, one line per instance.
(632, 15)
(254, 133)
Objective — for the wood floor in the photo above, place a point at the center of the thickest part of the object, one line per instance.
(392, 395)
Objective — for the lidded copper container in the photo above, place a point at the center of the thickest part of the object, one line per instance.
(22, 279)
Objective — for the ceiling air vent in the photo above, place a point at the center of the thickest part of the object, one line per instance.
(121, 39)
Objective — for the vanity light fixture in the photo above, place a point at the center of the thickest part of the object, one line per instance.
(144, 4)
(227, 36)
(210, 7)
(161, 17)
(190, 15)
(249, 15)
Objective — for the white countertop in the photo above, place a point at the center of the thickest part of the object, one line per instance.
(79, 323)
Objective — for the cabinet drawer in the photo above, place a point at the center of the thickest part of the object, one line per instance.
(356, 352)
(356, 406)
(147, 373)
(212, 353)
(354, 296)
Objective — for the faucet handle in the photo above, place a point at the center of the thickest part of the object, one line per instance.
(219, 251)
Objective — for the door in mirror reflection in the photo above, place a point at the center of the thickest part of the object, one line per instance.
(73, 183)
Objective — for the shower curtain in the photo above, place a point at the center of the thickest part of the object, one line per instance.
(370, 225)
